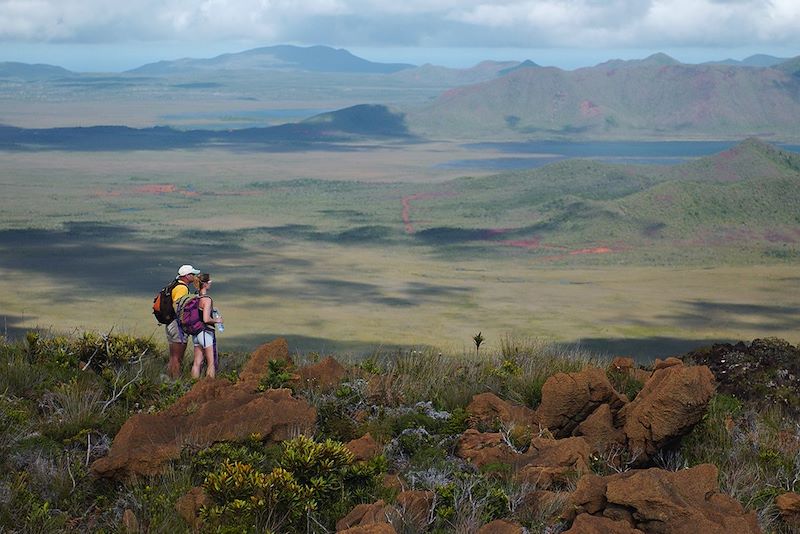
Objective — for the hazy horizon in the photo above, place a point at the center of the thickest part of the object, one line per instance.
(123, 57)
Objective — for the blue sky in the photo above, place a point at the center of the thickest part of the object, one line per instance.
(99, 35)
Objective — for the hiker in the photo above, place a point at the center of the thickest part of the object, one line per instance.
(176, 337)
(205, 343)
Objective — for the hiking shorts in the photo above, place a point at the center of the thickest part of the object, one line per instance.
(175, 334)
(204, 339)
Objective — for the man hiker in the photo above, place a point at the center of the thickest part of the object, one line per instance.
(176, 337)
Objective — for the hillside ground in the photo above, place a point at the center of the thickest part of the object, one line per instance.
(331, 264)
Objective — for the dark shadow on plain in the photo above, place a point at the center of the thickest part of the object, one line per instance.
(305, 344)
(10, 329)
(325, 132)
(95, 257)
(643, 350)
(736, 315)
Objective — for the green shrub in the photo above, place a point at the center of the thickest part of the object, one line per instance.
(19, 377)
(313, 482)
(253, 452)
(278, 375)
(336, 410)
(26, 511)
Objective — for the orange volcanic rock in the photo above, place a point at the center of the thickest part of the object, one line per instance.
(213, 410)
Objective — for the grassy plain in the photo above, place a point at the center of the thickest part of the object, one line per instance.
(330, 250)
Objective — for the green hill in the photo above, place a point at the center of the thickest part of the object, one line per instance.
(744, 199)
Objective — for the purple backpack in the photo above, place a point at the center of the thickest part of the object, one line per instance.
(190, 316)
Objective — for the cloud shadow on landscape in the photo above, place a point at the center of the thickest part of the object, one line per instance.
(643, 350)
(701, 313)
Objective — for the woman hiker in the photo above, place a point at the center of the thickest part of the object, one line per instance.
(205, 343)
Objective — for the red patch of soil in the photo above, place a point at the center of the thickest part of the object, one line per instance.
(776, 236)
(595, 250)
(156, 189)
(589, 109)
(534, 242)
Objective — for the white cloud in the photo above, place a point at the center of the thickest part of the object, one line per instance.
(519, 23)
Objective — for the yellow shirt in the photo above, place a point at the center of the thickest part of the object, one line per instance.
(180, 290)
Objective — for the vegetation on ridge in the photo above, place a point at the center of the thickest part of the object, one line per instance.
(56, 418)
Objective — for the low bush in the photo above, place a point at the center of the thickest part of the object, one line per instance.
(313, 483)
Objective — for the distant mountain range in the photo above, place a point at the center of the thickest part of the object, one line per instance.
(327, 59)
(757, 60)
(654, 97)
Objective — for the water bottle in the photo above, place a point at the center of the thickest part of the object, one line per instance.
(215, 314)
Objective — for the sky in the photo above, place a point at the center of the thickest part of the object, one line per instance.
(112, 36)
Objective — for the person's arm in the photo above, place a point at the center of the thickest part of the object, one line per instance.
(208, 304)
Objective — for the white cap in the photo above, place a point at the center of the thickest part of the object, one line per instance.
(187, 269)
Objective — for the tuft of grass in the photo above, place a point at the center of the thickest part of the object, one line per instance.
(517, 372)
(70, 408)
(153, 500)
(756, 453)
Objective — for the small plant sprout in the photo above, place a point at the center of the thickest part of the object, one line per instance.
(478, 339)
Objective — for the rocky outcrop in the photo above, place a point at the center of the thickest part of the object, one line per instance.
(130, 525)
(599, 431)
(501, 526)
(590, 524)
(366, 514)
(550, 462)
(372, 528)
(364, 448)
(258, 363)
(590, 417)
(324, 375)
(188, 506)
(482, 448)
(412, 510)
(789, 507)
(487, 411)
(765, 372)
(654, 500)
(569, 398)
(213, 410)
(670, 404)
(663, 364)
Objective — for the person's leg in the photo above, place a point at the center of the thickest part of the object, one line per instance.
(176, 352)
(209, 353)
(198, 360)
(177, 347)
